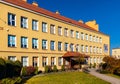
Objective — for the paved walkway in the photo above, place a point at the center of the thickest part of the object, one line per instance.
(110, 79)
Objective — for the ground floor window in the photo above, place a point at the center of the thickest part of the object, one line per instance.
(60, 61)
(53, 61)
(12, 58)
(44, 61)
(35, 61)
(24, 60)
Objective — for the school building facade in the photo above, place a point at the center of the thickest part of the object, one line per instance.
(38, 37)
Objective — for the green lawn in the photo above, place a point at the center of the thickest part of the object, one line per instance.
(66, 78)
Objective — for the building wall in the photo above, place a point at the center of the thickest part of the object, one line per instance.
(17, 51)
(116, 53)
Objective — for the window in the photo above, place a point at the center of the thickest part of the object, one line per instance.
(24, 42)
(77, 48)
(59, 30)
(60, 61)
(66, 32)
(91, 38)
(71, 47)
(53, 61)
(44, 44)
(86, 49)
(106, 48)
(52, 29)
(25, 61)
(100, 50)
(82, 36)
(12, 58)
(34, 43)
(77, 35)
(97, 39)
(44, 61)
(66, 46)
(94, 49)
(59, 46)
(100, 40)
(11, 19)
(82, 48)
(34, 25)
(24, 22)
(97, 50)
(35, 61)
(86, 36)
(52, 45)
(94, 38)
(91, 49)
(11, 41)
(44, 27)
(71, 33)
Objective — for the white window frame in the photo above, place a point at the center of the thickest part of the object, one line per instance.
(77, 35)
(46, 44)
(35, 41)
(82, 48)
(59, 30)
(24, 22)
(24, 39)
(82, 36)
(86, 35)
(27, 64)
(11, 41)
(52, 29)
(11, 20)
(60, 61)
(44, 27)
(12, 58)
(34, 24)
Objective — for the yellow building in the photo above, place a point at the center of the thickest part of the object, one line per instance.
(38, 37)
(116, 53)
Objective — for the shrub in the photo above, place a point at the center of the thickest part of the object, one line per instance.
(36, 71)
(17, 68)
(11, 80)
(55, 68)
(94, 65)
(9, 68)
(30, 70)
(48, 69)
(2, 68)
(63, 67)
(23, 71)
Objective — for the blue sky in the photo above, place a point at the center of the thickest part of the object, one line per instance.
(105, 12)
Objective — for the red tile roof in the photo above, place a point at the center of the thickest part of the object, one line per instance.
(46, 12)
(74, 54)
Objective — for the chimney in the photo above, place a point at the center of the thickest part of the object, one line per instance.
(35, 3)
(80, 21)
(57, 12)
(24, 0)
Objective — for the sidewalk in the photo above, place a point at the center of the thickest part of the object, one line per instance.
(110, 79)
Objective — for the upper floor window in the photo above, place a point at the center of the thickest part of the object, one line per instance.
(71, 33)
(66, 32)
(59, 46)
(100, 50)
(44, 44)
(24, 22)
(24, 42)
(71, 47)
(82, 36)
(11, 19)
(77, 48)
(100, 40)
(94, 38)
(34, 43)
(86, 36)
(52, 29)
(94, 49)
(82, 48)
(86, 49)
(11, 41)
(34, 24)
(44, 27)
(97, 39)
(90, 49)
(59, 30)
(90, 37)
(77, 35)
(52, 45)
(66, 46)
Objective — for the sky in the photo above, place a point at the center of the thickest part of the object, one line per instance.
(105, 12)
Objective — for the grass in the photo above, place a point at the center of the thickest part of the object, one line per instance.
(66, 78)
(116, 76)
